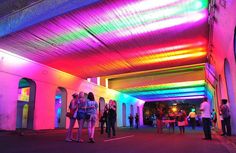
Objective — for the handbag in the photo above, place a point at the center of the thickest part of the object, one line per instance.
(70, 114)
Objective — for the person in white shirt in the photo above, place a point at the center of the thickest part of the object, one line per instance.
(206, 118)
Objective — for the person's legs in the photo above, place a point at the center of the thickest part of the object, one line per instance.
(228, 126)
(223, 127)
(172, 125)
(159, 127)
(89, 128)
(69, 134)
(102, 127)
(113, 128)
(92, 128)
(194, 123)
(180, 129)
(81, 125)
(108, 128)
(204, 122)
(207, 127)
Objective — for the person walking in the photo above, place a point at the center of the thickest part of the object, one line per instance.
(182, 121)
(73, 108)
(91, 116)
(224, 108)
(206, 118)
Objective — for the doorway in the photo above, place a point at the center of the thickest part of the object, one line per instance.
(124, 114)
(60, 108)
(229, 86)
(25, 104)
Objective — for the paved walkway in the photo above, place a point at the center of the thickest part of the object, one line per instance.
(143, 140)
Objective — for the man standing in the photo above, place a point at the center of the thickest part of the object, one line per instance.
(226, 117)
(131, 120)
(206, 119)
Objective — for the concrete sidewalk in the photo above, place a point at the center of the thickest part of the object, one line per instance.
(144, 140)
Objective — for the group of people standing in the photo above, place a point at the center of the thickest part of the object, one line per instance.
(180, 117)
(206, 118)
(85, 110)
(131, 120)
(108, 119)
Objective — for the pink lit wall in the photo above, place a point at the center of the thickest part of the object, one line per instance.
(14, 68)
(223, 42)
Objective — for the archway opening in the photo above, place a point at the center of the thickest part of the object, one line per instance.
(60, 108)
(25, 104)
(132, 110)
(124, 114)
(229, 86)
(188, 105)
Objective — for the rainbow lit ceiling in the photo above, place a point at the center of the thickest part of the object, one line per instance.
(113, 37)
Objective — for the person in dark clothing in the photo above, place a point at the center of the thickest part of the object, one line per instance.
(137, 120)
(131, 120)
(226, 117)
(103, 119)
(111, 118)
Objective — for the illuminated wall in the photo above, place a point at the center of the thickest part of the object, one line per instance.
(222, 51)
(13, 68)
(117, 37)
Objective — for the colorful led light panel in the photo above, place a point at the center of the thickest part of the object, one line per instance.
(171, 95)
(169, 91)
(165, 86)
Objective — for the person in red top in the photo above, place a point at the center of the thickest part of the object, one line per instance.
(182, 121)
(159, 116)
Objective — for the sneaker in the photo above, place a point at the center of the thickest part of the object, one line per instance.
(206, 139)
(90, 140)
(80, 141)
(68, 140)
